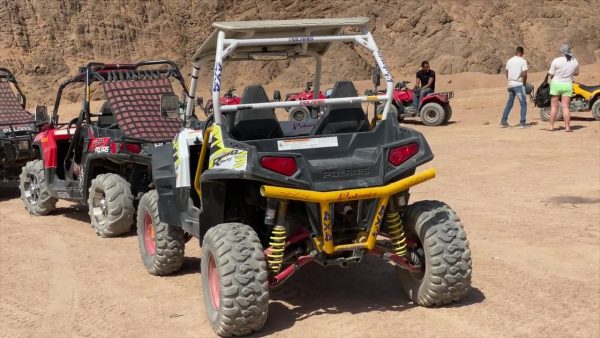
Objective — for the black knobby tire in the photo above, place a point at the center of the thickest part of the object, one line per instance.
(545, 114)
(234, 280)
(432, 114)
(110, 205)
(596, 109)
(162, 246)
(448, 112)
(34, 190)
(444, 247)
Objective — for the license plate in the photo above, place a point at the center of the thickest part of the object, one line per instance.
(23, 145)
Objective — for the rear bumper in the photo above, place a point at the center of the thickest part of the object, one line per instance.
(325, 200)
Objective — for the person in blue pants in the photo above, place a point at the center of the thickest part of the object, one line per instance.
(516, 74)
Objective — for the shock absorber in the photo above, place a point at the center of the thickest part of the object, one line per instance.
(396, 232)
(277, 240)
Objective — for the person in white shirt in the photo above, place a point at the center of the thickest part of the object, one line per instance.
(562, 70)
(516, 74)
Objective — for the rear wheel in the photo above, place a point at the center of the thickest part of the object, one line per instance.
(34, 190)
(596, 109)
(110, 205)
(161, 246)
(432, 114)
(235, 283)
(442, 249)
(545, 114)
(448, 112)
(299, 114)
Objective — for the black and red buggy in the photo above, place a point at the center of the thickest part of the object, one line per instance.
(102, 159)
(17, 127)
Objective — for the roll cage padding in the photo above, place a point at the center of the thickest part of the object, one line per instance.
(11, 111)
(135, 102)
(255, 124)
(342, 118)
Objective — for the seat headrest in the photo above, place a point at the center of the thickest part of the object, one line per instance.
(254, 94)
(343, 89)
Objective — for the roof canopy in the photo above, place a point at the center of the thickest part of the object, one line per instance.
(278, 29)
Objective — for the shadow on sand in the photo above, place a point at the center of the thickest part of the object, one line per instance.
(315, 290)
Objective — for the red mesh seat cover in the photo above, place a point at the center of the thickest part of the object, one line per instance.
(11, 111)
(136, 106)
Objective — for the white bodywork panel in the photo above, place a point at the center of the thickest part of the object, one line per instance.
(181, 144)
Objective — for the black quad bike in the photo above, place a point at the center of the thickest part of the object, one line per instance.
(103, 159)
(263, 203)
(17, 128)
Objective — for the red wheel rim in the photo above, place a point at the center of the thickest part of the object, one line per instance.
(149, 235)
(213, 283)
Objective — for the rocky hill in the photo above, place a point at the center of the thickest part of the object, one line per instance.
(43, 41)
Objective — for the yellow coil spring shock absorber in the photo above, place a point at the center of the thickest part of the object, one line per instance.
(277, 243)
(396, 232)
(277, 240)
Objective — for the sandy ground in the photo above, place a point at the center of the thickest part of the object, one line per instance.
(529, 199)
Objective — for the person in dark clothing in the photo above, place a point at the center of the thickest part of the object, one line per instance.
(424, 83)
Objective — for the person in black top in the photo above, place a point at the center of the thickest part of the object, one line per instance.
(424, 83)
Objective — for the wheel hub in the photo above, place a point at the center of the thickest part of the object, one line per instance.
(32, 190)
(214, 283)
(149, 235)
(100, 207)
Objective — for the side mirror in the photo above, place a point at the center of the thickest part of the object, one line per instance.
(169, 106)
(277, 96)
(376, 76)
(41, 114)
(328, 92)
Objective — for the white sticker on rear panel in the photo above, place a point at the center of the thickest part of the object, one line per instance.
(307, 143)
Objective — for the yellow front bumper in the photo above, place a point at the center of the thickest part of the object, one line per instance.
(325, 199)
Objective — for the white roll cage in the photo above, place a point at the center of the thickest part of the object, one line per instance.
(239, 40)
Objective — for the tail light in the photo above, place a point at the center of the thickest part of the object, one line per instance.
(132, 148)
(399, 155)
(282, 165)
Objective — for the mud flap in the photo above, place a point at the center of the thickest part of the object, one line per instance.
(163, 175)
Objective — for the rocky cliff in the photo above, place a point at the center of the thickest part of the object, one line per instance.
(44, 40)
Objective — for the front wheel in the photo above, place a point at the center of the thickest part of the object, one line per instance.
(162, 246)
(442, 250)
(235, 283)
(596, 109)
(432, 114)
(34, 190)
(110, 205)
(545, 113)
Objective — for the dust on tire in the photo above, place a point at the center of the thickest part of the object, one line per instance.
(119, 211)
(243, 279)
(169, 241)
(447, 276)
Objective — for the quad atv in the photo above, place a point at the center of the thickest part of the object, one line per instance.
(585, 98)
(17, 127)
(229, 98)
(103, 159)
(264, 203)
(300, 114)
(434, 108)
